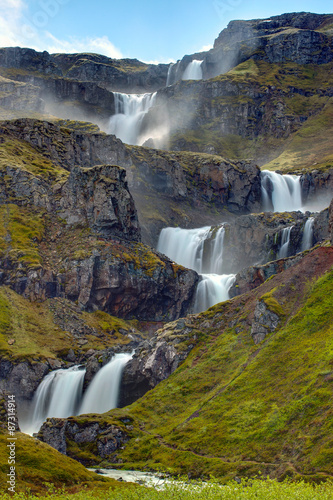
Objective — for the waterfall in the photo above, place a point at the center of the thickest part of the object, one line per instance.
(212, 289)
(201, 250)
(285, 239)
(280, 193)
(102, 393)
(307, 234)
(193, 71)
(170, 79)
(130, 110)
(60, 395)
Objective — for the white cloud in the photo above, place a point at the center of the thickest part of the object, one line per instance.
(205, 48)
(17, 29)
(11, 13)
(159, 61)
(99, 45)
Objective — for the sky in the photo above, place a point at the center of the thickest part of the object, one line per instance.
(151, 31)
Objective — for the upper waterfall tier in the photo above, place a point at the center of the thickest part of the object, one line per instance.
(280, 193)
(130, 109)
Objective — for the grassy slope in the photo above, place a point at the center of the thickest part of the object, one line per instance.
(238, 408)
(38, 466)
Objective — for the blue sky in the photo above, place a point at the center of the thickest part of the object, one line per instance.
(160, 31)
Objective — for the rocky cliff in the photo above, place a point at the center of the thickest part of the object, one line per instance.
(76, 234)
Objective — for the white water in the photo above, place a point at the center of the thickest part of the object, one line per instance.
(193, 71)
(280, 193)
(130, 110)
(307, 234)
(170, 78)
(103, 391)
(285, 240)
(212, 289)
(59, 394)
(201, 250)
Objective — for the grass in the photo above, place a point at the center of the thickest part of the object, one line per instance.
(16, 153)
(21, 230)
(235, 408)
(34, 328)
(247, 490)
(39, 465)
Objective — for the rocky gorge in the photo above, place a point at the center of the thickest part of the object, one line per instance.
(81, 280)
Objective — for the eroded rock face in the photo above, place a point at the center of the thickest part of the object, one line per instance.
(22, 379)
(99, 197)
(110, 285)
(156, 359)
(264, 322)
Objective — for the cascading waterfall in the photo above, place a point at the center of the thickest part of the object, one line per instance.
(193, 71)
(201, 250)
(285, 240)
(60, 395)
(101, 396)
(212, 289)
(307, 234)
(280, 193)
(130, 109)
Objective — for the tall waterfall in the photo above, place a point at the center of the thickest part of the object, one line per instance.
(307, 234)
(60, 393)
(280, 193)
(193, 71)
(285, 240)
(201, 250)
(130, 110)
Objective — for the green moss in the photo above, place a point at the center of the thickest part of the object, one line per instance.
(21, 230)
(17, 153)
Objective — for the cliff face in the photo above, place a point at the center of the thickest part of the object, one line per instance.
(189, 187)
(303, 37)
(76, 234)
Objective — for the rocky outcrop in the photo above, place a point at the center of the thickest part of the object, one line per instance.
(102, 439)
(22, 379)
(158, 292)
(97, 197)
(254, 276)
(317, 186)
(264, 322)
(157, 358)
(187, 182)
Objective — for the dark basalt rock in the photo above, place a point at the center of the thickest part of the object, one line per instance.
(103, 439)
